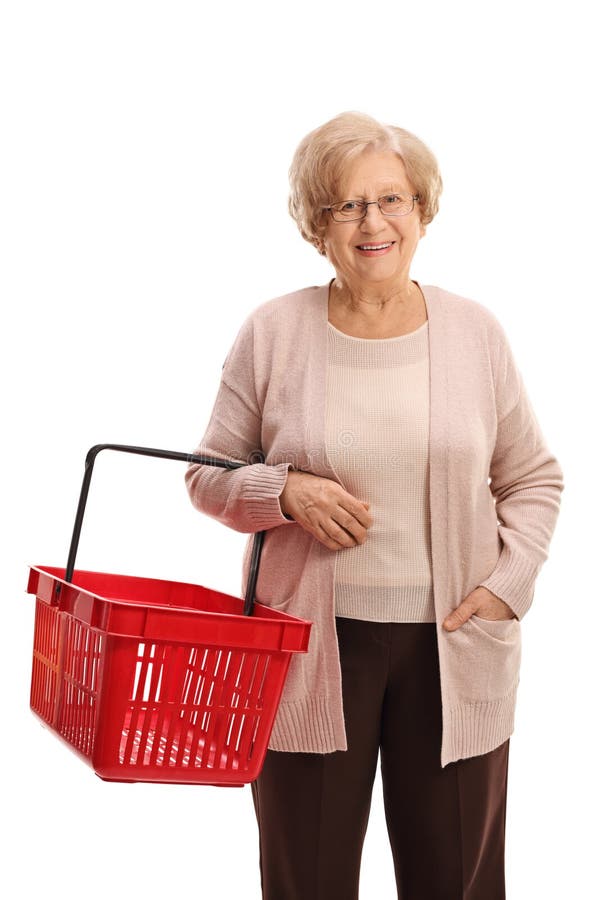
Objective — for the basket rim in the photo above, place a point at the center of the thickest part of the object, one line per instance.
(271, 612)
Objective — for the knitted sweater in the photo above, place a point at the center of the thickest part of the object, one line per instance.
(494, 495)
(377, 441)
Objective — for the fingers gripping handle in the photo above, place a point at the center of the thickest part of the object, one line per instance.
(162, 454)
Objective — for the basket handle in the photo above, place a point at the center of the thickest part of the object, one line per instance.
(162, 454)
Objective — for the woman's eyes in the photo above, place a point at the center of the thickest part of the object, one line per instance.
(389, 199)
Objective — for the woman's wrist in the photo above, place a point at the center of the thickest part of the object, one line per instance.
(285, 493)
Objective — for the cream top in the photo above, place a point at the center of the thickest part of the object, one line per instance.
(377, 440)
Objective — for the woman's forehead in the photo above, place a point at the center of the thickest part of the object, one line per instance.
(375, 172)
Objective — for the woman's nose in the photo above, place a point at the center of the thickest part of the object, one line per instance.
(373, 219)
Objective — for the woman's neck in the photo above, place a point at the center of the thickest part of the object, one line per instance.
(377, 313)
(374, 302)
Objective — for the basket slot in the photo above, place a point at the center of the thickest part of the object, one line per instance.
(200, 680)
(168, 720)
(240, 721)
(254, 678)
(211, 715)
(197, 717)
(44, 674)
(150, 738)
(197, 712)
(130, 741)
(229, 695)
(228, 752)
(195, 682)
(251, 701)
(237, 717)
(79, 700)
(137, 724)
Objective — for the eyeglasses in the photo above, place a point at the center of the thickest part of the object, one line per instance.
(354, 210)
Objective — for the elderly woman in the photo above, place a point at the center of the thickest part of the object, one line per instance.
(410, 500)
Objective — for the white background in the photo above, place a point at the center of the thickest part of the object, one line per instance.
(124, 282)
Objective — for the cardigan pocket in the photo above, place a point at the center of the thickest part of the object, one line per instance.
(485, 658)
(496, 627)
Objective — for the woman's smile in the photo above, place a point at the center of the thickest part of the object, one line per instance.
(375, 249)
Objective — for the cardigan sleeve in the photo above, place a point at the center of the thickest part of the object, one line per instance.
(246, 499)
(526, 482)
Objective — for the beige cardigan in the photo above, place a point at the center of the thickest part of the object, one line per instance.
(494, 500)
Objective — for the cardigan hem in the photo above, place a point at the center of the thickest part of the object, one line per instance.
(307, 726)
(473, 728)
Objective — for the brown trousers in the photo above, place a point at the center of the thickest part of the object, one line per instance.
(446, 826)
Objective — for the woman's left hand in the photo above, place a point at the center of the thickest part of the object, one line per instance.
(481, 602)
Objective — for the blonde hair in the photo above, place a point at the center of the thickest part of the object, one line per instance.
(322, 157)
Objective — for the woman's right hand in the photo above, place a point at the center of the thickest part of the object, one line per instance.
(324, 509)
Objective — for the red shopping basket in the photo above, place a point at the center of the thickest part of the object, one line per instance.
(158, 681)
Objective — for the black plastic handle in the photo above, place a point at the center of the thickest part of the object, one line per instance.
(163, 454)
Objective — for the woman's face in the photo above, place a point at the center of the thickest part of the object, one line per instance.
(370, 176)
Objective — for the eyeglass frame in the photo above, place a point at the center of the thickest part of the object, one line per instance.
(414, 197)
